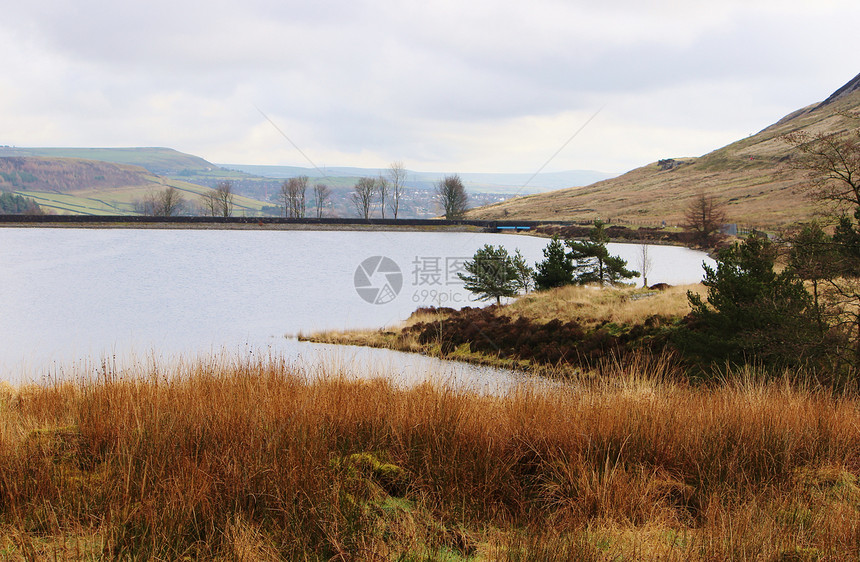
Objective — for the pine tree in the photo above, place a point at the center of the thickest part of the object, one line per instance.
(556, 269)
(813, 257)
(751, 312)
(491, 274)
(525, 272)
(593, 264)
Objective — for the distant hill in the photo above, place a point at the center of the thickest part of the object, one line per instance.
(162, 161)
(66, 175)
(90, 187)
(65, 184)
(110, 183)
(751, 175)
(475, 182)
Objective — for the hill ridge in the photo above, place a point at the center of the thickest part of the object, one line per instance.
(750, 175)
(157, 160)
(851, 86)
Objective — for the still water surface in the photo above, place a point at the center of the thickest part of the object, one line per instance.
(71, 295)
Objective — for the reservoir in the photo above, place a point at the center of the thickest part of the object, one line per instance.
(80, 296)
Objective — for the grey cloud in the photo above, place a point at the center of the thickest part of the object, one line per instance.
(386, 77)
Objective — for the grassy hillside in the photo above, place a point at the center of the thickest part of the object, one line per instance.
(121, 200)
(87, 187)
(751, 175)
(65, 175)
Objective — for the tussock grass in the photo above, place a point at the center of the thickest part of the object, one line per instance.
(591, 306)
(257, 459)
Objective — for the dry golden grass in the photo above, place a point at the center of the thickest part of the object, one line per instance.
(396, 337)
(591, 306)
(239, 459)
(387, 339)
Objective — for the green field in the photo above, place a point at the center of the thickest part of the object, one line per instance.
(121, 201)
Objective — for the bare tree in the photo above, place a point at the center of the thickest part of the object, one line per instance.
(362, 196)
(397, 178)
(382, 188)
(285, 197)
(225, 197)
(144, 206)
(164, 203)
(300, 200)
(832, 162)
(293, 191)
(644, 263)
(704, 216)
(321, 197)
(452, 197)
(209, 201)
(218, 202)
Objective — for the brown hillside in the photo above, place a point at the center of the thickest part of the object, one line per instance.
(751, 175)
(67, 175)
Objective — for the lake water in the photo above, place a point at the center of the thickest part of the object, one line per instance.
(76, 295)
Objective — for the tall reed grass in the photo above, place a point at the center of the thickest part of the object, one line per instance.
(240, 459)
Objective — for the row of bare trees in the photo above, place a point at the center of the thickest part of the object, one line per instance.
(217, 202)
(385, 192)
(293, 195)
(386, 189)
(164, 203)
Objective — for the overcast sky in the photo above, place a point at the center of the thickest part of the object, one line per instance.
(480, 86)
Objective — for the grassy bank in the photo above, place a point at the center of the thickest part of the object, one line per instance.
(256, 460)
(553, 332)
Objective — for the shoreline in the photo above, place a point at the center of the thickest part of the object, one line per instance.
(540, 229)
(136, 221)
(558, 334)
(245, 226)
(355, 339)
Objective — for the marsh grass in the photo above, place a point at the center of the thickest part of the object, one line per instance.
(240, 459)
